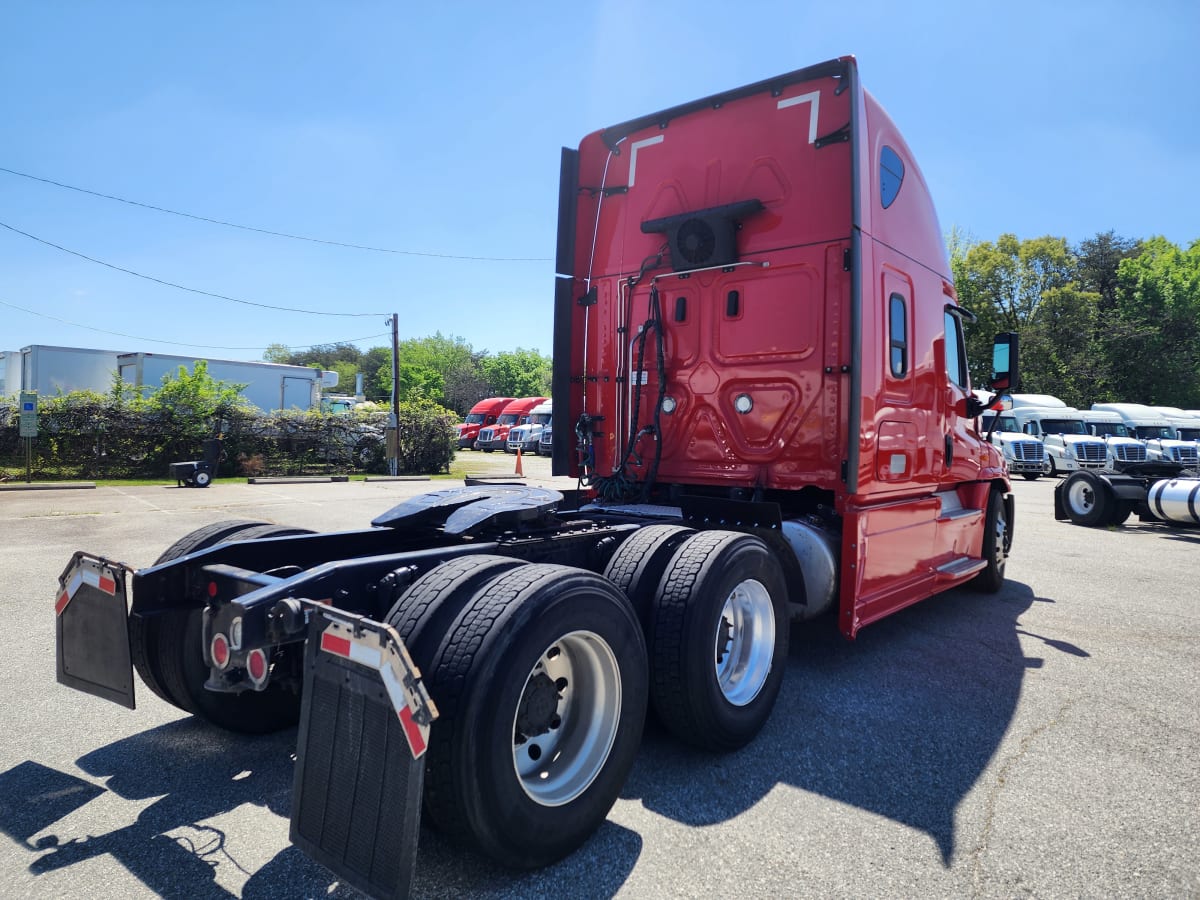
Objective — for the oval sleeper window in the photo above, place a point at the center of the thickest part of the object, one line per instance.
(891, 174)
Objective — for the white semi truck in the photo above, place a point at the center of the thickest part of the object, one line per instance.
(1024, 453)
(1184, 424)
(1156, 429)
(1123, 447)
(1070, 446)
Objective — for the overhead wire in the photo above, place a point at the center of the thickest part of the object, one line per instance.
(282, 234)
(181, 287)
(137, 337)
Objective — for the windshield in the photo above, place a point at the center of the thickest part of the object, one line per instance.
(1109, 429)
(1006, 423)
(1063, 426)
(507, 419)
(1152, 432)
(1189, 434)
(539, 418)
(476, 418)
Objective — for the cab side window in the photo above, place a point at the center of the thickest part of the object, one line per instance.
(898, 335)
(956, 352)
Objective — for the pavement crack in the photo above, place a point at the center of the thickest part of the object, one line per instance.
(1007, 767)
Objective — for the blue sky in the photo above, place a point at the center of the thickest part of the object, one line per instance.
(436, 128)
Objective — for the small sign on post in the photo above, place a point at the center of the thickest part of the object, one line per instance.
(29, 428)
(28, 414)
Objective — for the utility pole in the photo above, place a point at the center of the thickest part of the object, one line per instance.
(393, 434)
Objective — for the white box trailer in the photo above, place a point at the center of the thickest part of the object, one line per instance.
(60, 370)
(10, 373)
(269, 386)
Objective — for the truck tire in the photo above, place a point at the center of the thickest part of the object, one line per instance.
(639, 562)
(1054, 473)
(1088, 499)
(1121, 511)
(718, 639)
(426, 609)
(144, 632)
(178, 657)
(540, 686)
(997, 541)
(202, 478)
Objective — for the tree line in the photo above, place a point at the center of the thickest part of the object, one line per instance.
(1111, 319)
(446, 371)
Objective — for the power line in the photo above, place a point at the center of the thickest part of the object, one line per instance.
(136, 337)
(180, 287)
(282, 234)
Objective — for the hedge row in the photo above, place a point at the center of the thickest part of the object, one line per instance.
(94, 437)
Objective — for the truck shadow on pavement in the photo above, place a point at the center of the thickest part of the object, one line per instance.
(196, 775)
(900, 722)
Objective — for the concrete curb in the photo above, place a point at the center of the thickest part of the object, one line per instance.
(47, 486)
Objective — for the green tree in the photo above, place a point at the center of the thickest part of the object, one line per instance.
(1058, 348)
(1153, 338)
(519, 373)
(278, 353)
(1004, 283)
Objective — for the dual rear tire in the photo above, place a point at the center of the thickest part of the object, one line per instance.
(542, 675)
(167, 650)
(540, 678)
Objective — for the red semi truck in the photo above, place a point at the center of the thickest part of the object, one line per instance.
(495, 437)
(762, 388)
(482, 414)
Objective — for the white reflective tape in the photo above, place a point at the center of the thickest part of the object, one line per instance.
(813, 98)
(633, 152)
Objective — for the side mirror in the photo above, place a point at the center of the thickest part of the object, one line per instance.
(1005, 355)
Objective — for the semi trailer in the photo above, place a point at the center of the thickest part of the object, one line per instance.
(762, 390)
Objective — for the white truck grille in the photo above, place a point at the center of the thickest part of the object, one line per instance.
(1129, 453)
(1029, 451)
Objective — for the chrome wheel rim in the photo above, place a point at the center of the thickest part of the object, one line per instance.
(567, 718)
(744, 643)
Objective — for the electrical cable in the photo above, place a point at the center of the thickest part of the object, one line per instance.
(136, 337)
(180, 287)
(282, 234)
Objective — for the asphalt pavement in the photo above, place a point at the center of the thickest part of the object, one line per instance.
(1042, 741)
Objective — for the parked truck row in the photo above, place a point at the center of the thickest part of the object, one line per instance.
(761, 384)
(1033, 428)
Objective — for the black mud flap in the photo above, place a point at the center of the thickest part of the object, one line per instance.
(92, 630)
(364, 727)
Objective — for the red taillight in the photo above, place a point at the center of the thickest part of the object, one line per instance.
(219, 651)
(212, 589)
(256, 666)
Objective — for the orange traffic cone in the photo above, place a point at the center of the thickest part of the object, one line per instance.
(519, 471)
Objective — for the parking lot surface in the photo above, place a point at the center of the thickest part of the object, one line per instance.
(1042, 741)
